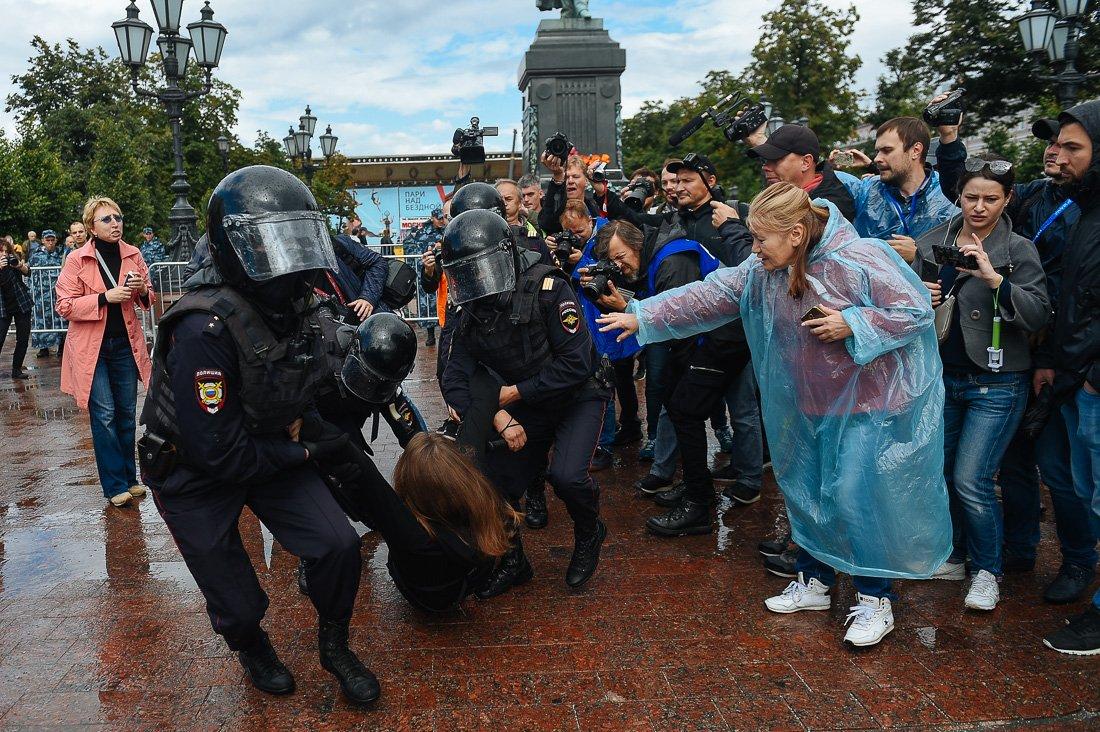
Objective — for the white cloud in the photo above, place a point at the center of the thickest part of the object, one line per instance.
(399, 76)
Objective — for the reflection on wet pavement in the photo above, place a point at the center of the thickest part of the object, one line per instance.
(102, 626)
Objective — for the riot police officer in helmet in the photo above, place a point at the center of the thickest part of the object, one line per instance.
(229, 424)
(521, 320)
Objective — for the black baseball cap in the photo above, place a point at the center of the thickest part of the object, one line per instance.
(1046, 129)
(786, 140)
(693, 161)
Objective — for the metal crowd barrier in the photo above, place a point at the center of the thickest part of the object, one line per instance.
(167, 279)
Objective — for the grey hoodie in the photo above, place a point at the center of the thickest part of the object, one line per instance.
(1017, 259)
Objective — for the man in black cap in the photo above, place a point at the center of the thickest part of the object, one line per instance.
(793, 154)
(1041, 210)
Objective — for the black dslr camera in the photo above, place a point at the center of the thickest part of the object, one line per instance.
(469, 144)
(602, 274)
(559, 146)
(13, 261)
(948, 112)
(565, 243)
(638, 192)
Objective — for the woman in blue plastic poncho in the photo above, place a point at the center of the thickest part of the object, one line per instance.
(852, 401)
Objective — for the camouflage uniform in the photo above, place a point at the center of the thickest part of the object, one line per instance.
(417, 242)
(152, 252)
(42, 287)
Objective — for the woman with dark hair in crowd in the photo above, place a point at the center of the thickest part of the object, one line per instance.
(15, 304)
(986, 309)
(444, 523)
(844, 352)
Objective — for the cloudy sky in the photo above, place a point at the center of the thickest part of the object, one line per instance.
(397, 76)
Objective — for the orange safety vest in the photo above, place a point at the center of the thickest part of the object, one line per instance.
(441, 300)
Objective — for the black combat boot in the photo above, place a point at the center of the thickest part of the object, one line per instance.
(430, 340)
(687, 518)
(359, 684)
(302, 586)
(586, 555)
(534, 514)
(512, 571)
(266, 672)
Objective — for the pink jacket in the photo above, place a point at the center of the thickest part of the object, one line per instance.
(77, 291)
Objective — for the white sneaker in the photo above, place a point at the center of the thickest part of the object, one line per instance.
(984, 592)
(801, 596)
(121, 499)
(870, 620)
(950, 571)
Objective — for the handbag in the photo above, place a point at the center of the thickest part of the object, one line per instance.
(945, 312)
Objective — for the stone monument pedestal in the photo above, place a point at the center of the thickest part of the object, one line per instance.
(569, 78)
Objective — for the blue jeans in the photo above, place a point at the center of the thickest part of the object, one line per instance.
(666, 451)
(870, 586)
(607, 433)
(747, 457)
(980, 414)
(112, 404)
(1082, 417)
(656, 361)
(1023, 464)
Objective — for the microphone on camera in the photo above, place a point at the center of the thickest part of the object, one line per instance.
(693, 126)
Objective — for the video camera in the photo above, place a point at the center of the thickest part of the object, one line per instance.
(565, 243)
(734, 114)
(559, 146)
(948, 112)
(602, 273)
(469, 144)
(639, 191)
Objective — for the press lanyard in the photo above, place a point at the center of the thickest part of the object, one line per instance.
(1051, 219)
(912, 204)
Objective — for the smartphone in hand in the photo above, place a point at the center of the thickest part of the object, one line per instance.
(814, 313)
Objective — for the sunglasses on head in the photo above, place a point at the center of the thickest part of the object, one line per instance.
(109, 217)
(996, 167)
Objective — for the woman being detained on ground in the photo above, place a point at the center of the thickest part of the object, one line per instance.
(844, 349)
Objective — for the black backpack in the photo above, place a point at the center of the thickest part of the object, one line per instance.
(400, 286)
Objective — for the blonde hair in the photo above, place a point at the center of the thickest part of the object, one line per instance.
(574, 210)
(778, 209)
(90, 207)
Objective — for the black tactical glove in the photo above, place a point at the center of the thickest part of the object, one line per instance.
(321, 439)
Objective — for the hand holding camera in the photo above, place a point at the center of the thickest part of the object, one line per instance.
(637, 193)
(945, 113)
(722, 213)
(136, 283)
(119, 294)
(849, 159)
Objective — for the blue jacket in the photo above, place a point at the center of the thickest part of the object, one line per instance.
(352, 258)
(881, 213)
(605, 343)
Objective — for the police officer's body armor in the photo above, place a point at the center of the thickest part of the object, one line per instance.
(513, 341)
(279, 376)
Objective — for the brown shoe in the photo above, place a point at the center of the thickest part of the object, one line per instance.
(119, 500)
(137, 491)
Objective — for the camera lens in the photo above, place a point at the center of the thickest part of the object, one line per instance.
(596, 287)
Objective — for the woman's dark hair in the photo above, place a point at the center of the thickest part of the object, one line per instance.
(1005, 179)
(442, 487)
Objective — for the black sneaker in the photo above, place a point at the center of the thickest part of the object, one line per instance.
(740, 494)
(773, 547)
(652, 484)
(726, 475)
(783, 565)
(430, 340)
(19, 375)
(601, 460)
(1080, 636)
(1070, 584)
(686, 518)
(671, 497)
(627, 434)
(1014, 564)
(535, 514)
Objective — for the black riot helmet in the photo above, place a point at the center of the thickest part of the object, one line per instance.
(268, 239)
(479, 256)
(477, 195)
(380, 357)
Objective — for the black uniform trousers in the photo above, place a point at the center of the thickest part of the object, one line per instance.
(627, 392)
(572, 428)
(202, 515)
(695, 388)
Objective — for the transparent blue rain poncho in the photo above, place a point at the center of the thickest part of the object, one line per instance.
(855, 427)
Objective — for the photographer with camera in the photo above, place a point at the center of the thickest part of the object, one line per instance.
(696, 373)
(640, 194)
(793, 154)
(16, 304)
(527, 234)
(989, 290)
(424, 238)
(568, 183)
(1043, 211)
(904, 201)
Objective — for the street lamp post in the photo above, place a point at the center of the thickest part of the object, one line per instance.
(207, 39)
(298, 147)
(223, 150)
(1052, 37)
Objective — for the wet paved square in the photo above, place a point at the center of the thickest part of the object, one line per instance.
(101, 625)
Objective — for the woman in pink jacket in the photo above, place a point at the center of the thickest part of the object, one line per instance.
(105, 353)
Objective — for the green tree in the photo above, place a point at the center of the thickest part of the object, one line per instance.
(903, 90)
(803, 63)
(36, 187)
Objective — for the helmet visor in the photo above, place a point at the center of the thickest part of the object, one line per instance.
(274, 244)
(488, 273)
(364, 383)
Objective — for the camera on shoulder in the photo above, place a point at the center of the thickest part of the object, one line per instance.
(469, 144)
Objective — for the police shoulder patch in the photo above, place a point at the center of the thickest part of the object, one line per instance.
(570, 317)
(210, 390)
